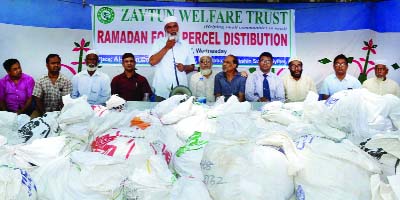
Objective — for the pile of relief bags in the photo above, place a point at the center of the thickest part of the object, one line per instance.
(344, 148)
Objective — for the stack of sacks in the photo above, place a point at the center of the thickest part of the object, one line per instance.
(16, 183)
(82, 175)
(236, 167)
(333, 170)
(360, 113)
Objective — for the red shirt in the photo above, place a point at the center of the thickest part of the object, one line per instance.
(130, 89)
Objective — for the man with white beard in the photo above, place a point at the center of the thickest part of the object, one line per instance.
(381, 84)
(92, 82)
(205, 78)
(173, 58)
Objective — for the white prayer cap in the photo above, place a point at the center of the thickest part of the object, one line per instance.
(204, 55)
(295, 58)
(381, 62)
(170, 19)
(91, 51)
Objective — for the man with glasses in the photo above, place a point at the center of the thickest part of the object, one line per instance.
(203, 80)
(297, 85)
(262, 85)
(229, 82)
(381, 84)
(340, 80)
(173, 58)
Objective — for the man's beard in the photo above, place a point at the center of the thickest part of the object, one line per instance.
(296, 75)
(173, 37)
(205, 72)
(91, 67)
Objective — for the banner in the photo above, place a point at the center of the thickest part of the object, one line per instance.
(245, 33)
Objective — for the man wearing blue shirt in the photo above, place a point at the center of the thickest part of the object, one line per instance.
(340, 80)
(91, 82)
(229, 82)
(262, 85)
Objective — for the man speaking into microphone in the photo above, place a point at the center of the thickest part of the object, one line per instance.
(173, 58)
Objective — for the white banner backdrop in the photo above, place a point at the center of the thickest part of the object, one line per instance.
(31, 45)
(216, 31)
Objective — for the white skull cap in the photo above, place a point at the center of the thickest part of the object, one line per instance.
(170, 19)
(295, 58)
(381, 62)
(91, 51)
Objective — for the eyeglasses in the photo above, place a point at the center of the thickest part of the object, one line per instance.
(266, 61)
(340, 64)
(205, 61)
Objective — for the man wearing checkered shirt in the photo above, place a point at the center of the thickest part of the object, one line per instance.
(50, 88)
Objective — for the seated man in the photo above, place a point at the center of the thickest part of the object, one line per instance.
(50, 88)
(91, 82)
(340, 80)
(381, 84)
(130, 85)
(229, 82)
(202, 83)
(262, 85)
(296, 84)
(16, 89)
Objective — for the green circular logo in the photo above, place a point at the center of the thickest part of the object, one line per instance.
(105, 15)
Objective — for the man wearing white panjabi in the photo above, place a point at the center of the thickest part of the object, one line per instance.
(381, 84)
(91, 82)
(173, 58)
(205, 78)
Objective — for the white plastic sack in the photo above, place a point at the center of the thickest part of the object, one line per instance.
(41, 151)
(231, 106)
(340, 170)
(84, 175)
(380, 190)
(40, 127)
(75, 110)
(182, 111)
(186, 161)
(189, 188)
(244, 170)
(16, 184)
(150, 179)
(168, 105)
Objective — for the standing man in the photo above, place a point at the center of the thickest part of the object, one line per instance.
(297, 85)
(173, 58)
(229, 82)
(130, 85)
(340, 80)
(91, 82)
(204, 78)
(262, 85)
(381, 84)
(50, 88)
(16, 89)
